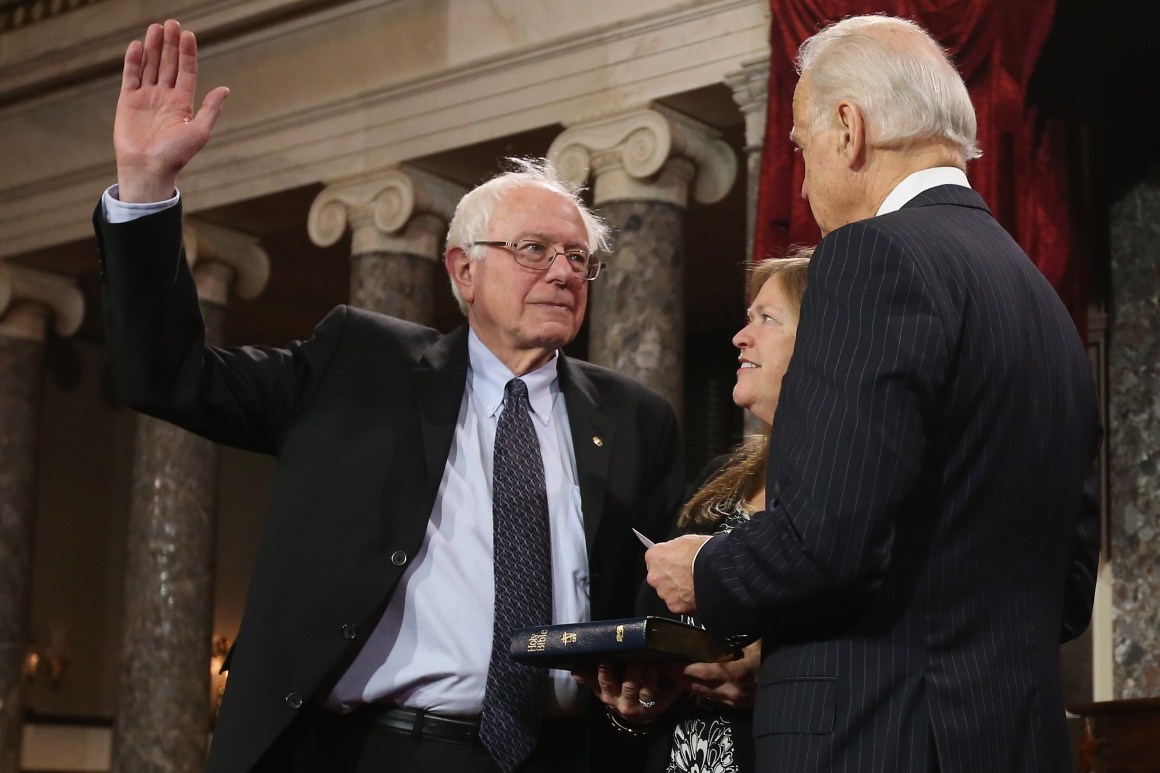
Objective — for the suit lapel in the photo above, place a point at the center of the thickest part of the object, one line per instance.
(592, 436)
(441, 377)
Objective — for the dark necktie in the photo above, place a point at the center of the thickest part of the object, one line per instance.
(513, 703)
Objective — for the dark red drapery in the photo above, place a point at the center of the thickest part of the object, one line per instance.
(1023, 172)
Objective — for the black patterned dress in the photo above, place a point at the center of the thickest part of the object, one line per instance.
(700, 736)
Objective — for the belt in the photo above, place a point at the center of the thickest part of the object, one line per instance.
(419, 724)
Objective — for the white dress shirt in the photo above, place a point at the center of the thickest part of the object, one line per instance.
(117, 211)
(432, 647)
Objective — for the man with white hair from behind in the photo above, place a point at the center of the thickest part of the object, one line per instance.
(931, 533)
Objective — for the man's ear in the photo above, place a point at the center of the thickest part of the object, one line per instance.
(460, 269)
(852, 140)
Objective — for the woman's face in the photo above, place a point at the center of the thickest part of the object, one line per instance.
(766, 343)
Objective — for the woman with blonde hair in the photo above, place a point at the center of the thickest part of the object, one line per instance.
(699, 718)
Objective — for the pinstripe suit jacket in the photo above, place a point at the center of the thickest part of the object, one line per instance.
(931, 532)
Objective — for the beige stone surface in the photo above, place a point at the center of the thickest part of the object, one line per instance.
(338, 89)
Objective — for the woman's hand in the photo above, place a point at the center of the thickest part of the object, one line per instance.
(732, 684)
(639, 693)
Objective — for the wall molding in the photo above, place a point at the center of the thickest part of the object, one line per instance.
(345, 121)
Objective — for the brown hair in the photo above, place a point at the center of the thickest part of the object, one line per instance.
(743, 474)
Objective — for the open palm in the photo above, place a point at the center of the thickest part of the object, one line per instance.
(156, 133)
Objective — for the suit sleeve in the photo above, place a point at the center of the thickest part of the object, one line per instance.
(1083, 564)
(846, 444)
(158, 354)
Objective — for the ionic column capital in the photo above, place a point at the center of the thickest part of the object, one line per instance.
(750, 87)
(649, 154)
(223, 259)
(30, 296)
(401, 209)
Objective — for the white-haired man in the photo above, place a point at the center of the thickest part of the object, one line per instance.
(929, 537)
(433, 491)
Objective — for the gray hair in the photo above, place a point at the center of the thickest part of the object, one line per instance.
(899, 77)
(473, 214)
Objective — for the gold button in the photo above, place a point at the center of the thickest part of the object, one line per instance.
(598, 441)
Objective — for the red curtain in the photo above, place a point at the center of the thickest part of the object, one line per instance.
(1023, 172)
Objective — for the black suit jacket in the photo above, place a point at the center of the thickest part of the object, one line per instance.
(927, 540)
(361, 418)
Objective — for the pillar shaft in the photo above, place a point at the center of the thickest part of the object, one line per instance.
(751, 93)
(393, 283)
(396, 274)
(163, 709)
(30, 300)
(637, 322)
(646, 163)
(19, 411)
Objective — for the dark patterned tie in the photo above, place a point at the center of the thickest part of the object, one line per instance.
(513, 703)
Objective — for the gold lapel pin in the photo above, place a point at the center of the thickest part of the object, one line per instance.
(598, 441)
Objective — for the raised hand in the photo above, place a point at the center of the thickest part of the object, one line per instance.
(156, 132)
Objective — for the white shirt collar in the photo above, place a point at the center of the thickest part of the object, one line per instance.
(920, 181)
(489, 376)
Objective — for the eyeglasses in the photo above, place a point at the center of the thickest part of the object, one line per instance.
(538, 256)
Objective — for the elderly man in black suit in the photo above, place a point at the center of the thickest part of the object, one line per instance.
(433, 491)
(930, 533)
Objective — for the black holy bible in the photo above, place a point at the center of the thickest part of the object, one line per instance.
(567, 645)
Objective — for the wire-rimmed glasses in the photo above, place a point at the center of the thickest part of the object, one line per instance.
(538, 256)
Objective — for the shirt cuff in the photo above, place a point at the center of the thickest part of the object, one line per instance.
(117, 211)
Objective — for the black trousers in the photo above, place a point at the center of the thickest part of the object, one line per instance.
(321, 741)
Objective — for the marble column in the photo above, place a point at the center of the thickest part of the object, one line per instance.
(163, 711)
(398, 218)
(1133, 439)
(644, 163)
(751, 93)
(29, 301)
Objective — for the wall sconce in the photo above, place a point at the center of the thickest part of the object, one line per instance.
(217, 678)
(31, 663)
(50, 661)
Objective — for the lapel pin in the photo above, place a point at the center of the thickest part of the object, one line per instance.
(598, 441)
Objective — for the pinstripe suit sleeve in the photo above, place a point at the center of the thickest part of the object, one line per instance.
(847, 439)
(1080, 583)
